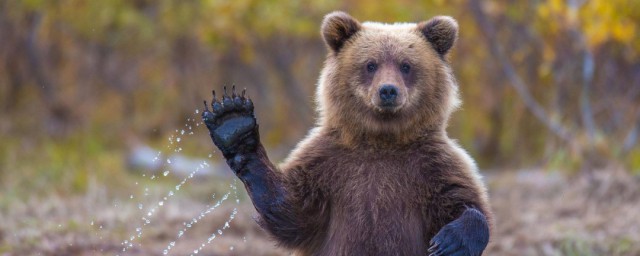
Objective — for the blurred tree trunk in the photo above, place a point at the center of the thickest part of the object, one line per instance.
(515, 80)
(283, 59)
(60, 114)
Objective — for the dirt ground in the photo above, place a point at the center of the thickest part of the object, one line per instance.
(536, 213)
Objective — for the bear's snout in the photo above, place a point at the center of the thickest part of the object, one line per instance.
(388, 94)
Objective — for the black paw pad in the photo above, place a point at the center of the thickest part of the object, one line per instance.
(231, 121)
(231, 130)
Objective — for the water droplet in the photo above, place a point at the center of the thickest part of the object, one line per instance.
(210, 155)
(131, 196)
(219, 232)
(140, 206)
(171, 193)
(197, 111)
(165, 252)
(91, 223)
(168, 160)
(165, 173)
(161, 203)
(182, 132)
(178, 139)
(231, 248)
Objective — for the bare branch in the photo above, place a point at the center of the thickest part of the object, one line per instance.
(515, 80)
(586, 112)
(632, 136)
(35, 60)
(585, 102)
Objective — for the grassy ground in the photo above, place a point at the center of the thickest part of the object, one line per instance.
(537, 213)
(543, 214)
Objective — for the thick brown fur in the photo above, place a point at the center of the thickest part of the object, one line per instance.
(383, 183)
(371, 179)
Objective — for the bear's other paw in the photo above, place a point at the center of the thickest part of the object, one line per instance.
(232, 123)
(467, 235)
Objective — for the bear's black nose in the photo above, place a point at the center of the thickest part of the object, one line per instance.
(388, 94)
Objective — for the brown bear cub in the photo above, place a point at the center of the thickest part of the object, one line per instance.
(378, 175)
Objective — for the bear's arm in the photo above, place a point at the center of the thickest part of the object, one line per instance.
(465, 215)
(289, 208)
(292, 208)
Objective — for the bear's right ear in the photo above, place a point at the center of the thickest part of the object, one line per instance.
(337, 28)
(441, 32)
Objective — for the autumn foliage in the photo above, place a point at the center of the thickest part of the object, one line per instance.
(551, 83)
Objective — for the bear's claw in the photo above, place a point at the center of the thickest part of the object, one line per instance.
(231, 122)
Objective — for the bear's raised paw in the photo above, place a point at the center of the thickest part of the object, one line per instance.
(231, 123)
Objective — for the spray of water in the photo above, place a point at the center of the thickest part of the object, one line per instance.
(146, 219)
(226, 224)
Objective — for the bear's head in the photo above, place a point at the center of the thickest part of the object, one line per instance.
(388, 81)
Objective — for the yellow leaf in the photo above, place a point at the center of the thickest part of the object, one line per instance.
(623, 32)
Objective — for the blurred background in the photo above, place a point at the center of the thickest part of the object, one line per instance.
(100, 101)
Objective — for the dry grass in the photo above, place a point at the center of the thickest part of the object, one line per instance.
(543, 214)
(536, 214)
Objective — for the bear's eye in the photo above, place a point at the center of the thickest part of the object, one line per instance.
(371, 67)
(405, 68)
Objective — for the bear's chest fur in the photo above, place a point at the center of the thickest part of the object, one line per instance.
(375, 204)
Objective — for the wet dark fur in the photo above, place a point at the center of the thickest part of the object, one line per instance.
(365, 182)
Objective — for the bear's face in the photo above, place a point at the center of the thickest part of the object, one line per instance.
(387, 78)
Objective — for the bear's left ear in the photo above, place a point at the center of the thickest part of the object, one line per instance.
(337, 28)
(441, 32)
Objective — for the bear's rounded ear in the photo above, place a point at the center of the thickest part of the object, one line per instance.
(441, 32)
(337, 28)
